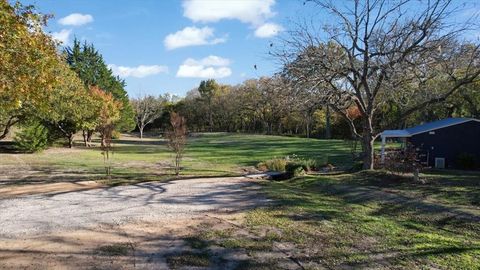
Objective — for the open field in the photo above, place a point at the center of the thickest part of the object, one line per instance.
(136, 160)
(369, 220)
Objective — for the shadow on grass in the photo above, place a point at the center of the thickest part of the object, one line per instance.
(139, 142)
(119, 249)
(405, 227)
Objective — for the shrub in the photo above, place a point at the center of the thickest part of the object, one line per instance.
(466, 161)
(32, 138)
(289, 164)
(276, 164)
(262, 166)
(116, 134)
(308, 164)
(295, 169)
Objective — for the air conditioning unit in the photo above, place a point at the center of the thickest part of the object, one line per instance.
(440, 163)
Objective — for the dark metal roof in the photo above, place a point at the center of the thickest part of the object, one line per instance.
(426, 127)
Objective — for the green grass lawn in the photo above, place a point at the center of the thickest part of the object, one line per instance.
(411, 228)
(366, 220)
(347, 221)
(149, 159)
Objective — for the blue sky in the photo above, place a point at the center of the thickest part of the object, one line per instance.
(161, 46)
(205, 38)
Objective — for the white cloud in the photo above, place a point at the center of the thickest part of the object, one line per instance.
(139, 71)
(76, 19)
(63, 36)
(208, 67)
(191, 36)
(254, 12)
(210, 60)
(268, 30)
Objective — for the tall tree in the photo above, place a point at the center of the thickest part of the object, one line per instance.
(88, 63)
(28, 61)
(377, 52)
(207, 90)
(70, 105)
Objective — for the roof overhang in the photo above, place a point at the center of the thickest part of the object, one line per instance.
(398, 133)
(409, 132)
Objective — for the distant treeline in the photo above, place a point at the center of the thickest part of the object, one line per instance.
(268, 106)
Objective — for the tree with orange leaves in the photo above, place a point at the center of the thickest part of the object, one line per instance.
(108, 112)
(177, 138)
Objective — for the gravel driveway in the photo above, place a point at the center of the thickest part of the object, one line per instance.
(47, 213)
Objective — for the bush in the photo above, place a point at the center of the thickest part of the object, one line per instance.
(262, 166)
(466, 161)
(308, 164)
(116, 135)
(293, 165)
(32, 138)
(295, 169)
(276, 164)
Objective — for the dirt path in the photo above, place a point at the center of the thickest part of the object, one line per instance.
(69, 229)
(9, 192)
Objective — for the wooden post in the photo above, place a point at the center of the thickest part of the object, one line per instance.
(382, 155)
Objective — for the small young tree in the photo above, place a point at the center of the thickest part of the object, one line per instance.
(107, 148)
(32, 138)
(177, 138)
(108, 114)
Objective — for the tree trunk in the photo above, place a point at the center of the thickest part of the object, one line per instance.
(5, 132)
(85, 138)
(210, 117)
(89, 136)
(70, 140)
(367, 145)
(308, 129)
(368, 151)
(416, 172)
(103, 140)
(328, 133)
(141, 127)
(12, 121)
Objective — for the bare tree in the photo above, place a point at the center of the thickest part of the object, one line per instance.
(107, 148)
(177, 138)
(375, 52)
(147, 109)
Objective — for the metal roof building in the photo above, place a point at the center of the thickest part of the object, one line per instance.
(441, 142)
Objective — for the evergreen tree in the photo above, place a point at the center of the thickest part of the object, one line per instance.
(88, 63)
